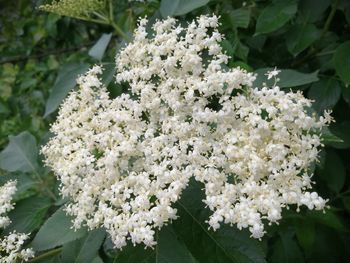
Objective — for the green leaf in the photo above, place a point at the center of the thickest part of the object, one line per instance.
(28, 214)
(305, 231)
(328, 137)
(286, 249)
(325, 93)
(20, 154)
(225, 245)
(342, 61)
(328, 218)
(275, 15)
(108, 73)
(65, 82)
(90, 246)
(179, 7)
(168, 7)
(170, 249)
(97, 260)
(84, 249)
(70, 251)
(239, 17)
(333, 172)
(56, 231)
(3, 108)
(288, 78)
(133, 254)
(346, 94)
(97, 51)
(341, 130)
(311, 10)
(300, 37)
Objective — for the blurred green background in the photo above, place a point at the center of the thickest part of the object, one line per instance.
(42, 53)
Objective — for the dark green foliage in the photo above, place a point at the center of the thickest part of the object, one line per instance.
(41, 55)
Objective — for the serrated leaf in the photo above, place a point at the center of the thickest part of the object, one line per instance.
(275, 15)
(325, 93)
(300, 37)
(179, 7)
(225, 245)
(342, 61)
(65, 82)
(28, 214)
(288, 78)
(97, 51)
(20, 154)
(56, 231)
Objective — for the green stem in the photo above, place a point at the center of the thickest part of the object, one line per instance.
(325, 53)
(48, 191)
(330, 18)
(117, 29)
(101, 16)
(89, 19)
(47, 254)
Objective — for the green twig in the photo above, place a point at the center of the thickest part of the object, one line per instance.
(47, 254)
(117, 29)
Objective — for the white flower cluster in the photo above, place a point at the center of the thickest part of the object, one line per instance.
(10, 248)
(6, 193)
(11, 245)
(125, 161)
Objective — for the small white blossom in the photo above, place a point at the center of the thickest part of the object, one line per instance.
(11, 248)
(273, 73)
(124, 162)
(6, 193)
(11, 245)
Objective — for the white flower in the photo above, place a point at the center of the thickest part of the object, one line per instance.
(10, 245)
(124, 162)
(6, 193)
(272, 73)
(11, 248)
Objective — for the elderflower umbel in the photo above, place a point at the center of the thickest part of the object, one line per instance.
(6, 193)
(11, 245)
(74, 8)
(124, 162)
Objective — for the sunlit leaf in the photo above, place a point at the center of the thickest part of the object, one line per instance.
(56, 231)
(20, 154)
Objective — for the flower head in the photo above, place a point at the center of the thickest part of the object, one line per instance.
(272, 73)
(11, 245)
(124, 162)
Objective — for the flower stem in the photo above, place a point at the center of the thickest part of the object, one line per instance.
(47, 254)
